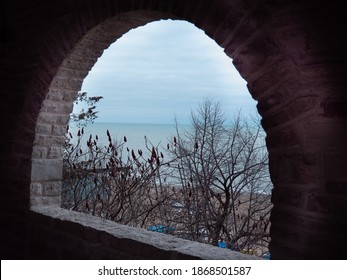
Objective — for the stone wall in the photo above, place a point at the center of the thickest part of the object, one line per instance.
(292, 55)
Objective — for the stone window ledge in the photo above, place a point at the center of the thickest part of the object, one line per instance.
(176, 246)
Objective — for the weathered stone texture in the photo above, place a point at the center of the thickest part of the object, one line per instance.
(47, 169)
(77, 235)
(292, 55)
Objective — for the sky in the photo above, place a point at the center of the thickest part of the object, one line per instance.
(163, 71)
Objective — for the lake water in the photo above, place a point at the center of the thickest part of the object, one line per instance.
(157, 134)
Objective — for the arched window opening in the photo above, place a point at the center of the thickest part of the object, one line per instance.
(164, 154)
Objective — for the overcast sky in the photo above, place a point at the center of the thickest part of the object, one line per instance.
(162, 70)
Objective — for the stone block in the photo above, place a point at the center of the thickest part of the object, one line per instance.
(257, 55)
(44, 129)
(292, 39)
(46, 169)
(77, 62)
(39, 152)
(288, 197)
(289, 112)
(217, 14)
(55, 152)
(283, 71)
(51, 188)
(50, 118)
(327, 136)
(39, 200)
(277, 97)
(57, 107)
(66, 73)
(288, 137)
(67, 84)
(60, 94)
(43, 140)
(36, 188)
(59, 130)
(293, 169)
(249, 22)
(326, 225)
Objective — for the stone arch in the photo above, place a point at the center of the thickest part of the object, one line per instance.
(225, 23)
(292, 61)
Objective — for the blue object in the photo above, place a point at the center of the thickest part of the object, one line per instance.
(160, 228)
(222, 244)
(266, 256)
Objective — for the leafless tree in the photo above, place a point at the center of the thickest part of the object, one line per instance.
(224, 185)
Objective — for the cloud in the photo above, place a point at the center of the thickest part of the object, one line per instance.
(163, 68)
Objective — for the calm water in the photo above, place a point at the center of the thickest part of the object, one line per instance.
(157, 134)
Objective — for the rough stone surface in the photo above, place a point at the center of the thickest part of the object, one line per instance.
(292, 55)
(109, 232)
